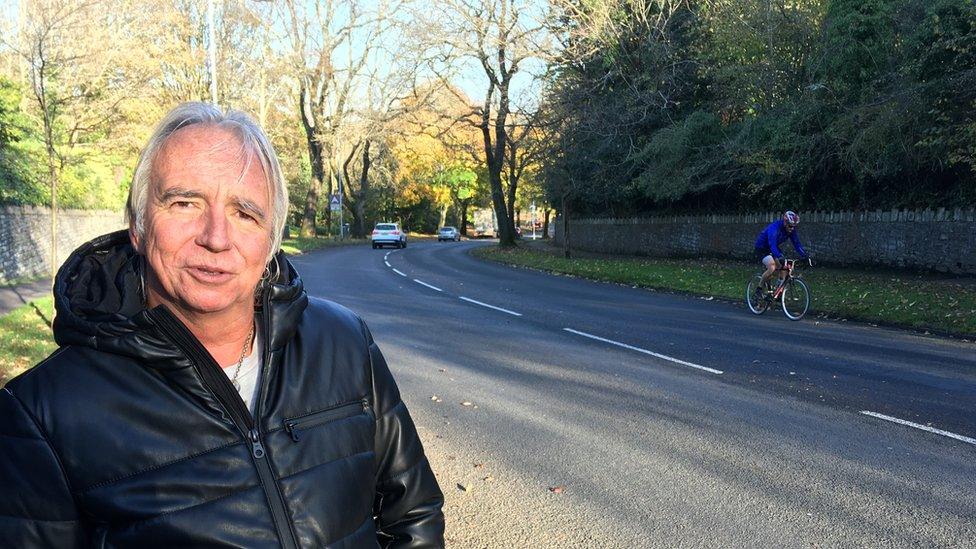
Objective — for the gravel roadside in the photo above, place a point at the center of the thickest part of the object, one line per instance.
(488, 505)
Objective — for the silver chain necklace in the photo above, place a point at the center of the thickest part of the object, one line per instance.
(237, 370)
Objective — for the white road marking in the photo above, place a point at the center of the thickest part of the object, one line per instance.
(489, 306)
(387, 263)
(386, 256)
(399, 272)
(422, 283)
(646, 352)
(920, 426)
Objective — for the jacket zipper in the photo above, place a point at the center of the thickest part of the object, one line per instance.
(275, 498)
(295, 425)
(230, 399)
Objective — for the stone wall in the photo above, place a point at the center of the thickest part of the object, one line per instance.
(25, 237)
(938, 240)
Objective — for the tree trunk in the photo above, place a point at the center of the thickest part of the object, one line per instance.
(52, 172)
(565, 213)
(317, 164)
(512, 187)
(494, 164)
(545, 224)
(495, 160)
(443, 215)
(363, 193)
(464, 216)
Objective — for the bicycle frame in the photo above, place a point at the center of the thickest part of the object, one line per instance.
(788, 266)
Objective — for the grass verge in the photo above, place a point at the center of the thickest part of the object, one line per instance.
(919, 301)
(25, 339)
(300, 245)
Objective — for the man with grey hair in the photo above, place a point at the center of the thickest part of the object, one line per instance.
(199, 397)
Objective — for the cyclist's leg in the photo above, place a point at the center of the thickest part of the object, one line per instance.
(770, 264)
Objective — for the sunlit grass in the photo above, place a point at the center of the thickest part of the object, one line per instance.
(25, 339)
(925, 302)
(300, 245)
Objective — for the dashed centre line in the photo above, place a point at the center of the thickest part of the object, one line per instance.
(920, 426)
(962, 438)
(469, 300)
(646, 352)
(422, 283)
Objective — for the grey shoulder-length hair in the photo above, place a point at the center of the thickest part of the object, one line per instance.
(254, 143)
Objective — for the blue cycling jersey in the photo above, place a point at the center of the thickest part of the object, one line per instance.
(773, 236)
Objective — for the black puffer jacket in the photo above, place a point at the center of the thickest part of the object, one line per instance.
(129, 435)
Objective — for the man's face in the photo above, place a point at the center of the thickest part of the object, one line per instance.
(789, 228)
(207, 227)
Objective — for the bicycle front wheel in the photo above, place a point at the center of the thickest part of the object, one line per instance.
(755, 296)
(796, 299)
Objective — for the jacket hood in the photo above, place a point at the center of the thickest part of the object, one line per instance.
(99, 303)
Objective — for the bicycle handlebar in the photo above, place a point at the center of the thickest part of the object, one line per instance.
(796, 262)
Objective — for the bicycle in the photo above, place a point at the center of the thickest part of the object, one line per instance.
(793, 293)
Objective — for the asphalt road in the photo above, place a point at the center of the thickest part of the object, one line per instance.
(664, 420)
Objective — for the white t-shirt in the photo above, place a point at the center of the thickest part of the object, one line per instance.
(247, 378)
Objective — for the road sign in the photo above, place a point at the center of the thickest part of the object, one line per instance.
(334, 203)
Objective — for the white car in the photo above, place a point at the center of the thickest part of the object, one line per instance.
(388, 234)
(448, 233)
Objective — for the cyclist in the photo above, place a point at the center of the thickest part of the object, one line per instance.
(769, 241)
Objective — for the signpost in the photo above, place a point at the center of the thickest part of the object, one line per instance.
(533, 219)
(335, 205)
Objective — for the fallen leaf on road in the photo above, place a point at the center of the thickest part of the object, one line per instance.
(466, 403)
(557, 489)
(478, 465)
(435, 398)
(489, 478)
(462, 487)
(442, 369)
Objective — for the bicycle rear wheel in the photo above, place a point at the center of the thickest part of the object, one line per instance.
(796, 299)
(755, 296)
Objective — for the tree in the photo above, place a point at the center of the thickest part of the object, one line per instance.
(502, 38)
(78, 78)
(332, 44)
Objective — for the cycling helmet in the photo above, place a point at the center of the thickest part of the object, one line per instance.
(791, 219)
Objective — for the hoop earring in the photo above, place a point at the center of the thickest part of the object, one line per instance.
(142, 278)
(263, 283)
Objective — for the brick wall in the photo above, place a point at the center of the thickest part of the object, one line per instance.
(938, 240)
(25, 237)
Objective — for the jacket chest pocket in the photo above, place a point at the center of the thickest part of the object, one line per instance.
(297, 425)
